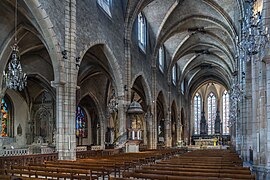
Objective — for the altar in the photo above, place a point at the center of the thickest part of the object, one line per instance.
(210, 140)
(205, 142)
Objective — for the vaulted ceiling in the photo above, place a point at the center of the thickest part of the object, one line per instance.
(199, 35)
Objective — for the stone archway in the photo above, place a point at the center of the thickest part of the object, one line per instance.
(97, 77)
(88, 124)
(141, 94)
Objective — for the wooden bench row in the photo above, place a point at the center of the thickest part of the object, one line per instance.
(192, 169)
(42, 174)
(170, 177)
(222, 165)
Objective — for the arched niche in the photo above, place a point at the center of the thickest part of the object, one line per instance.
(88, 112)
(43, 118)
(96, 78)
(140, 95)
(36, 62)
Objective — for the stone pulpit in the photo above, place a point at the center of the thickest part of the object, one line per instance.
(135, 124)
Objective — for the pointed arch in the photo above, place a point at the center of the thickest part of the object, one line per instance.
(211, 112)
(197, 103)
(225, 112)
(113, 63)
(146, 88)
(49, 36)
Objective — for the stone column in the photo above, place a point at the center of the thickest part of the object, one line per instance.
(167, 125)
(260, 158)
(152, 126)
(122, 108)
(65, 137)
(66, 92)
(262, 165)
(153, 122)
(178, 129)
(267, 153)
(255, 117)
(248, 109)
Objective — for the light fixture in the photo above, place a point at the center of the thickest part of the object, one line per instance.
(235, 97)
(113, 103)
(14, 77)
(254, 35)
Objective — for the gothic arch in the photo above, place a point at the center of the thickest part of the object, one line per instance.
(100, 136)
(114, 66)
(146, 87)
(161, 115)
(48, 34)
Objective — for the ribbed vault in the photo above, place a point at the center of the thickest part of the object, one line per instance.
(198, 35)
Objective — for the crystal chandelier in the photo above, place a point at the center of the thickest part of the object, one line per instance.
(235, 97)
(254, 35)
(14, 77)
(113, 103)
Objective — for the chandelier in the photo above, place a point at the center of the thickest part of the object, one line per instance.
(113, 103)
(254, 35)
(235, 97)
(14, 77)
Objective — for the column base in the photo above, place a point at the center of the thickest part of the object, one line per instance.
(67, 155)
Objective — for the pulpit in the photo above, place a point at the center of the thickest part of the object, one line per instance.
(135, 127)
(133, 145)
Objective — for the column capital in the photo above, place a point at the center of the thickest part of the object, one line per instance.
(57, 83)
(266, 59)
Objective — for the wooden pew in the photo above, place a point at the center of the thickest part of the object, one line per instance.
(196, 174)
(95, 169)
(232, 171)
(75, 173)
(7, 177)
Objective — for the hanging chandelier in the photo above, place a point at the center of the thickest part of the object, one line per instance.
(14, 77)
(235, 97)
(113, 103)
(254, 35)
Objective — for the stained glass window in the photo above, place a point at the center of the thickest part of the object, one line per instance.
(142, 31)
(183, 87)
(225, 115)
(161, 58)
(197, 113)
(5, 119)
(174, 75)
(106, 6)
(81, 123)
(212, 108)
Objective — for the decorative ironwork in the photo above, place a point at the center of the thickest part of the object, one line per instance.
(14, 77)
(254, 37)
(235, 97)
(113, 103)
